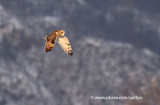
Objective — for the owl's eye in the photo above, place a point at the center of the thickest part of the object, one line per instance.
(53, 42)
(61, 32)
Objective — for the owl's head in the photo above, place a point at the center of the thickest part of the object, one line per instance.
(60, 33)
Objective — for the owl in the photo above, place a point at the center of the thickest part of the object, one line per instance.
(58, 36)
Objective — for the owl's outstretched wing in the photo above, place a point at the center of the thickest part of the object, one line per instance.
(64, 43)
(50, 41)
(48, 46)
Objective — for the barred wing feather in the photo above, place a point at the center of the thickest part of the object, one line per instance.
(64, 43)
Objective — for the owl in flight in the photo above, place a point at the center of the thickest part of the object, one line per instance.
(58, 36)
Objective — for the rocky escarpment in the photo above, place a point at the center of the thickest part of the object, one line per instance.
(106, 59)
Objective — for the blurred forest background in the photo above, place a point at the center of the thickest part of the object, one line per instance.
(116, 45)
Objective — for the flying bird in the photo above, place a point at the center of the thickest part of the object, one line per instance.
(58, 36)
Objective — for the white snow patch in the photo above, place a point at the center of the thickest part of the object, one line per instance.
(148, 52)
(51, 21)
(109, 18)
(93, 42)
(16, 24)
(82, 2)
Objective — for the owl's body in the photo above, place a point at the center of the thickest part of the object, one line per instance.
(50, 41)
(62, 40)
(51, 37)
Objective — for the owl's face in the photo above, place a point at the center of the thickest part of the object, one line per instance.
(60, 33)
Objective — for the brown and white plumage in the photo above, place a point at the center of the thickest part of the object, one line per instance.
(50, 41)
(62, 40)
(64, 43)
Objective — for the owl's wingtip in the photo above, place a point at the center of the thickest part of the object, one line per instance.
(45, 37)
(71, 54)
